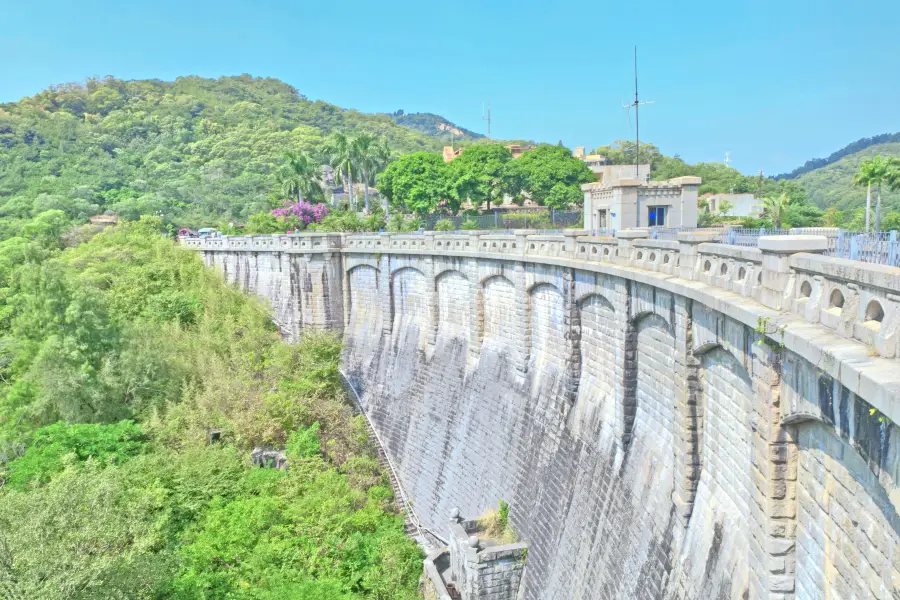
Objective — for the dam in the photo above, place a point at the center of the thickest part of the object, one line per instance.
(666, 419)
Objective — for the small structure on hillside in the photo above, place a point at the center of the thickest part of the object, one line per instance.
(103, 221)
(627, 203)
(473, 566)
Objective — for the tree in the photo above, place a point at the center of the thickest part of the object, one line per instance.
(775, 207)
(622, 152)
(299, 176)
(340, 155)
(371, 155)
(875, 171)
(550, 175)
(479, 174)
(416, 182)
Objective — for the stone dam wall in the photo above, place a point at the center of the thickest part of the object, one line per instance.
(666, 419)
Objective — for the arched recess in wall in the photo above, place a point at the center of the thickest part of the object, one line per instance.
(847, 523)
(546, 308)
(601, 341)
(454, 303)
(409, 295)
(646, 413)
(497, 312)
(724, 479)
(364, 296)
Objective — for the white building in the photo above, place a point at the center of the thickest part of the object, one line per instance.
(628, 203)
(743, 205)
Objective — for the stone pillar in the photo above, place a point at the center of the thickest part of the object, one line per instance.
(387, 287)
(626, 244)
(688, 414)
(774, 459)
(476, 309)
(523, 315)
(688, 255)
(573, 336)
(777, 277)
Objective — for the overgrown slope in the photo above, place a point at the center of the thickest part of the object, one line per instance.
(118, 356)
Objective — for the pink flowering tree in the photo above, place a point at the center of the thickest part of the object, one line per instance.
(300, 214)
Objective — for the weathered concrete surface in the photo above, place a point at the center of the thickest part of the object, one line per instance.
(656, 437)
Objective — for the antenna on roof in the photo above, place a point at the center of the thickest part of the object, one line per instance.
(637, 123)
(487, 117)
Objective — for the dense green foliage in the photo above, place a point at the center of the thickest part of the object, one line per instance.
(416, 182)
(119, 352)
(550, 176)
(482, 175)
(195, 150)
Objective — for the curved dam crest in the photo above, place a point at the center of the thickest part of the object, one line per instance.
(666, 419)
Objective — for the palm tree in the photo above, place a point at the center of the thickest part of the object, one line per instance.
(299, 175)
(339, 150)
(370, 156)
(874, 171)
(774, 208)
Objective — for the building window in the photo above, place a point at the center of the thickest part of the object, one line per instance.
(657, 216)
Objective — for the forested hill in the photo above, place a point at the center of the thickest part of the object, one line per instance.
(435, 126)
(832, 185)
(191, 147)
(857, 146)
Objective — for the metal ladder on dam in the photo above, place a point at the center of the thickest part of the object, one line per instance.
(412, 526)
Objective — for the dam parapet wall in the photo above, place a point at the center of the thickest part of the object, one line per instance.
(667, 419)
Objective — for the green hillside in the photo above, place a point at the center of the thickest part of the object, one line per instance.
(832, 185)
(201, 149)
(435, 126)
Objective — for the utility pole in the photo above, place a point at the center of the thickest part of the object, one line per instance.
(487, 117)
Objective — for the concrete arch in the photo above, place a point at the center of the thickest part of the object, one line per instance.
(594, 298)
(488, 278)
(537, 284)
(402, 268)
(363, 265)
(447, 272)
(655, 317)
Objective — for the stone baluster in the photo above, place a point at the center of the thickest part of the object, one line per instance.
(777, 277)
(626, 239)
(689, 252)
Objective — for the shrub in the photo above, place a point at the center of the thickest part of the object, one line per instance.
(444, 225)
(54, 445)
(469, 224)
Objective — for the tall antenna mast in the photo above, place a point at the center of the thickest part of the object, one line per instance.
(637, 123)
(488, 117)
(727, 158)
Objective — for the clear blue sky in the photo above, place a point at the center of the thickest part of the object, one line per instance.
(775, 83)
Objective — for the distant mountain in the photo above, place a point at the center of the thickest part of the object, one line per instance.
(857, 146)
(435, 126)
(204, 148)
(832, 183)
